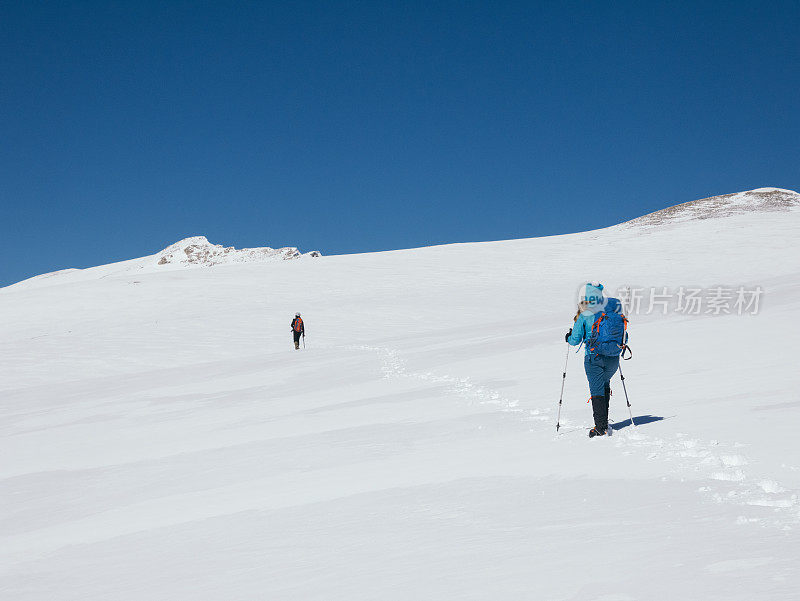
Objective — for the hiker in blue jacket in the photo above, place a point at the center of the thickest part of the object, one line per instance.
(601, 327)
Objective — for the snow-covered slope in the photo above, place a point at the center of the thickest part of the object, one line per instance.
(161, 439)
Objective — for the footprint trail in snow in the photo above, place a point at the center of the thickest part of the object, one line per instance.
(723, 472)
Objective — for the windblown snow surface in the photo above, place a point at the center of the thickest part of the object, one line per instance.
(162, 439)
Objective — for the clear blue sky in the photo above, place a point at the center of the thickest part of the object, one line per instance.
(351, 127)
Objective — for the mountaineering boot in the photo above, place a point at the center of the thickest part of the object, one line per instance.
(296, 345)
(596, 432)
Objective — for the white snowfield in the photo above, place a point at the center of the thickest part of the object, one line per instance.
(162, 439)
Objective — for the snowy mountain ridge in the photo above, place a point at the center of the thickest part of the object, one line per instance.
(192, 252)
(758, 200)
(197, 251)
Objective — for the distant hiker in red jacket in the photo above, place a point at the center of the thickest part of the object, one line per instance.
(298, 330)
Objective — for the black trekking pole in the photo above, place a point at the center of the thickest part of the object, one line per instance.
(626, 394)
(304, 339)
(563, 380)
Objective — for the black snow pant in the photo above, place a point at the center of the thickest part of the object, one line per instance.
(297, 336)
(599, 370)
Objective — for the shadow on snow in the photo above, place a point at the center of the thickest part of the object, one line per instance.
(640, 421)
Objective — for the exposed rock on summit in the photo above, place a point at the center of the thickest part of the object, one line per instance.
(761, 199)
(198, 251)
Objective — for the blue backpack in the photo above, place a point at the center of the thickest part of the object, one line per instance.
(609, 331)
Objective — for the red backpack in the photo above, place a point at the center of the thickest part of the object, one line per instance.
(298, 324)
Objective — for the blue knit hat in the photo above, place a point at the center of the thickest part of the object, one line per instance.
(593, 294)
